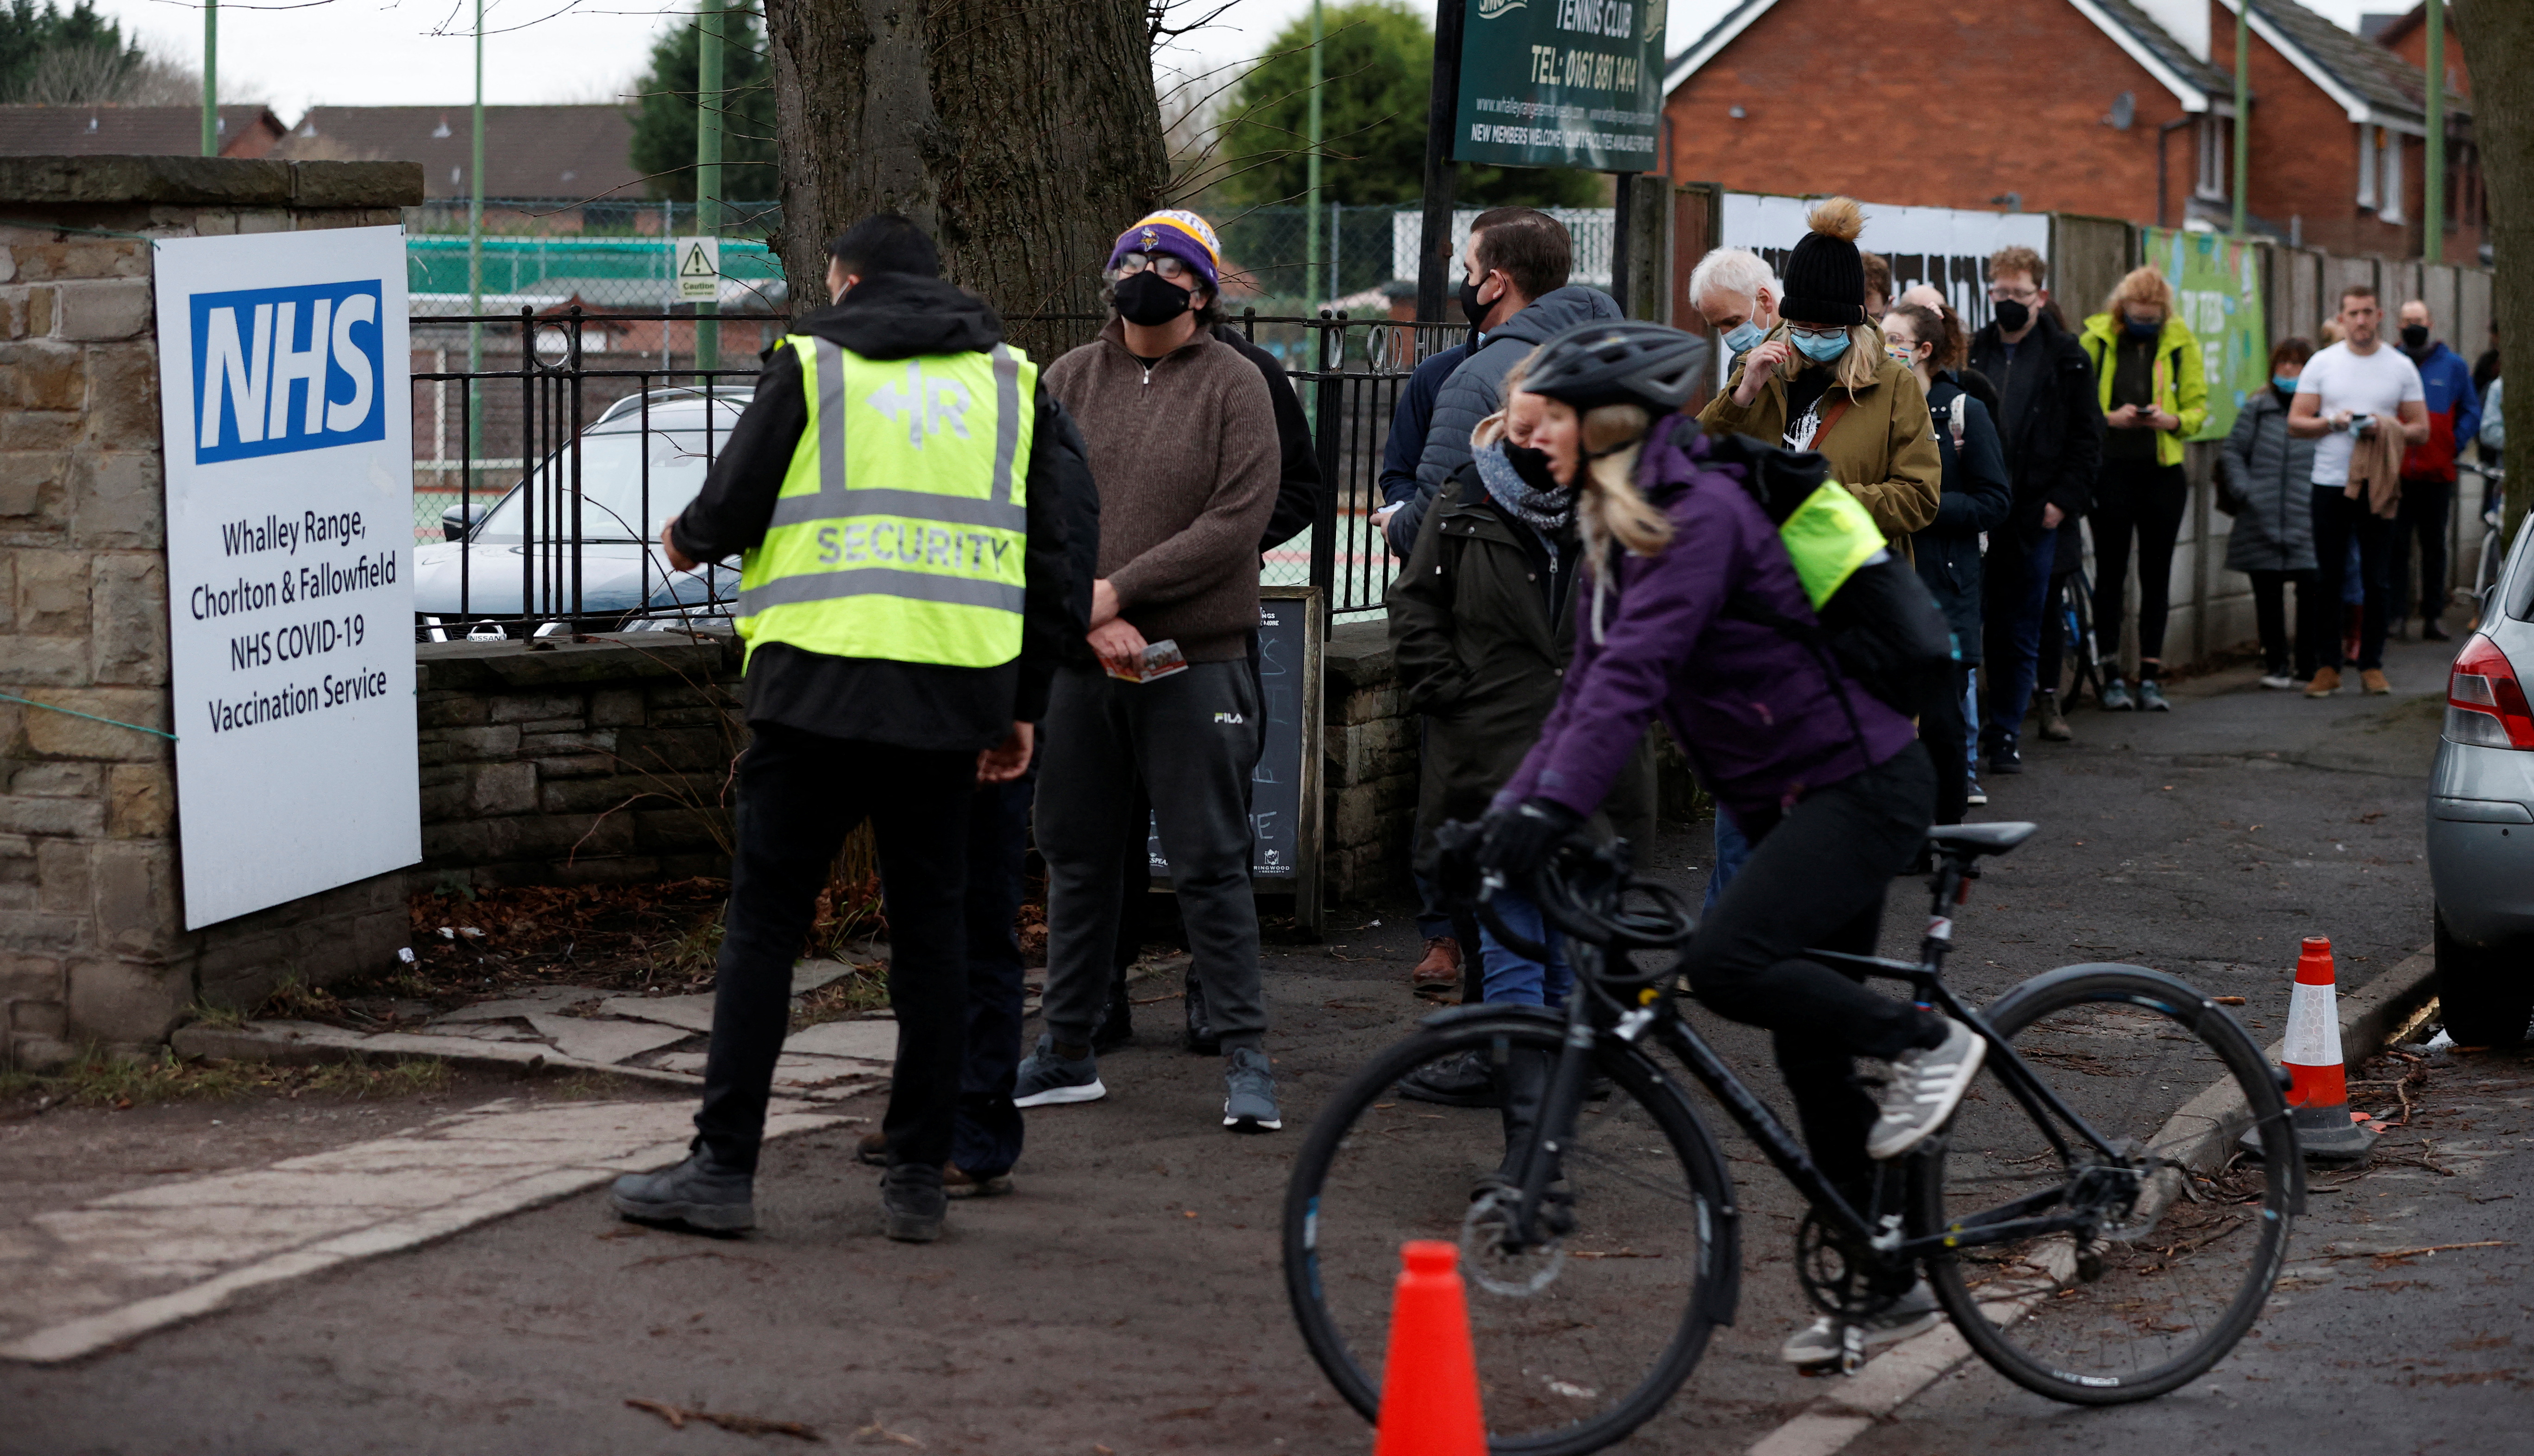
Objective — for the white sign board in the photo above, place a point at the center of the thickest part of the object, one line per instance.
(288, 418)
(1948, 247)
(698, 269)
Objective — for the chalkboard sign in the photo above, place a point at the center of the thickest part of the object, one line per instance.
(1284, 788)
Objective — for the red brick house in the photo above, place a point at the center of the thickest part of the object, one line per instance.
(2114, 109)
(124, 130)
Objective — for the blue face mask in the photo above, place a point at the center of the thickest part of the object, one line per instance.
(1744, 336)
(2286, 383)
(1821, 350)
(2144, 330)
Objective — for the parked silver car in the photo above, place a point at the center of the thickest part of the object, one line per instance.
(2481, 819)
(482, 569)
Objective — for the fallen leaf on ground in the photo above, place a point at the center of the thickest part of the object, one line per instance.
(679, 1416)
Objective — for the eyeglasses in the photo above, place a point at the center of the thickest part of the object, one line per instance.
(1818, 330)
(1169, 266)
(2001, 292)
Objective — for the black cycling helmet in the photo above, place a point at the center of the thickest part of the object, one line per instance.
(1618, 361)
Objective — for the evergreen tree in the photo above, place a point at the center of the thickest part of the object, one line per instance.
(664, 118)
(1377, 64)
(32, 38)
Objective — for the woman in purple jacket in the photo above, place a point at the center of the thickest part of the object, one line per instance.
(1835, 796)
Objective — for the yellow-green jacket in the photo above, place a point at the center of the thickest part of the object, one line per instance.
(2181, 378)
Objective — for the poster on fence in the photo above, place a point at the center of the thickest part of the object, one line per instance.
(1948, 247)
(288, 426)
(2217, 286)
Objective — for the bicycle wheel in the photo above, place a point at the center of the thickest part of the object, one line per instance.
(2078, 649)
(2167, 1284)
(1578, 1344)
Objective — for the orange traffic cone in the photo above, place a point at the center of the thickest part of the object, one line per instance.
(1429, 1380)
(2319, 1084)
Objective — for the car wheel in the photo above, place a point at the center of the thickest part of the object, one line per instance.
(2486, 996)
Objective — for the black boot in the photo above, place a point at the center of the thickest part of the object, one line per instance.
(1200, 1031)
(1117, 1026)
(911, 1202)
(698, 1194)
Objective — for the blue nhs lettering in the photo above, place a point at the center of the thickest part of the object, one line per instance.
(287, 369)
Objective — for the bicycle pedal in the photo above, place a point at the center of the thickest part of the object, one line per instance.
(1851, 1348)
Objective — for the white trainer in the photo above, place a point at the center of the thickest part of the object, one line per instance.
(1924, 1089)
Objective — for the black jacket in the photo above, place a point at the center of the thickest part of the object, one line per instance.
(1977, 499)
(1298, 486)
(2054, 447)
(907, 705)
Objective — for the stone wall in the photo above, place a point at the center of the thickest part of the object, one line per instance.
(1369, 744)
(551, 762)
(92, 940)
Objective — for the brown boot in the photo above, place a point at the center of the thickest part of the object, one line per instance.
(2326, 681)
(2054, 723)
(2373, 680)
(872, 1148)
(1439, 973)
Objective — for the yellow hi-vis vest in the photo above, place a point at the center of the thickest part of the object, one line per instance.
(1828, 537)
(900, 528)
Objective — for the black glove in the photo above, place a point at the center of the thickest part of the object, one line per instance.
(1519, 840)
(1456, 861)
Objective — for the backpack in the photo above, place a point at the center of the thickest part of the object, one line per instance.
(1875, 621)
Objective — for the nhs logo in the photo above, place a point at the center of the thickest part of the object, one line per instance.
(277, 370)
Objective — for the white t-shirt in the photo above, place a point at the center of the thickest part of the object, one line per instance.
(2378, 384)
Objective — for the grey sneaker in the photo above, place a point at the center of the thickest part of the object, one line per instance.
(1047, 1079)
(1249, 1092)
(698, 1194)
(2116, 696)
(1817, 1343)
(1924, 1088)
(2150, 697)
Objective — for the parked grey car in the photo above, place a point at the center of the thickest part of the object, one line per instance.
(479, 572)
(2481, 819)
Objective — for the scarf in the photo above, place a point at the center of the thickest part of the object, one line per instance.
(1524, 487)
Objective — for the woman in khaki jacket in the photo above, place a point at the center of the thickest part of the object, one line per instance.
(1821, 382)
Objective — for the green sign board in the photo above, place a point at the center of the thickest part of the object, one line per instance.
(1561, 83)
(2217, 281)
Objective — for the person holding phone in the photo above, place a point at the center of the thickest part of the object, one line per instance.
(2349, 392)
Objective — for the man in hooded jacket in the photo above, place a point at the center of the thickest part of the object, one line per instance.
(905, 601)
(1515, 295)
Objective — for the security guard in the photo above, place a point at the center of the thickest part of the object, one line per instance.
(903, 596)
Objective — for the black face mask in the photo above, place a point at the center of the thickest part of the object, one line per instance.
(1149, 299)
(2415, 336)
(2013, 314)
(1531, 465)
(1471, 308)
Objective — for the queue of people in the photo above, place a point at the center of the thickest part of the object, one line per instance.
(987, 604)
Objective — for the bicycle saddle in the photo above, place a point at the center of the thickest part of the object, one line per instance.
(1979, 840)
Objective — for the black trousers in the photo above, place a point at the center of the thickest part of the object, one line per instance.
(1946, 734)
(2270, 615)
(986, 1140)
(2426, 507)
(799, 795)
(2145, 501)
(1825, 863)
(2051, 662)
(2337, 520)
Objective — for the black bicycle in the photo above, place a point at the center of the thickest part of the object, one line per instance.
(2084, 1218)
(2082, 669)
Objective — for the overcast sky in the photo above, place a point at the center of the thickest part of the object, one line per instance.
(421, 52)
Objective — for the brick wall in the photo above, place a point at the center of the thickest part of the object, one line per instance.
(92, 940)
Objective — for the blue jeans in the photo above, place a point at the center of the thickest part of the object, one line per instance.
(1510, 975)
(1971, 714)
(2022, 591)
(1731, 849)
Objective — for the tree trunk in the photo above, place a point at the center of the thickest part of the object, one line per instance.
(1024, 136)
(2497, 39)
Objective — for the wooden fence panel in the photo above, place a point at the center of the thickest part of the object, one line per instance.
(2087, 256)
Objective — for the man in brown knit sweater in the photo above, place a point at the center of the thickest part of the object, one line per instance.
(1183, 444)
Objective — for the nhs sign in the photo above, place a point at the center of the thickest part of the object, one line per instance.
(285, 401)
(286, 368)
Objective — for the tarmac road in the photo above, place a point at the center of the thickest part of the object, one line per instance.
(1129, 1297)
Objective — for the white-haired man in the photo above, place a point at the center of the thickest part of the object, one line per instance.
(1737, 292)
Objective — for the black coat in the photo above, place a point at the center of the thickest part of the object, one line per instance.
(1977, 499)
(1298, 486)
(1483, 626)
(2054, 447)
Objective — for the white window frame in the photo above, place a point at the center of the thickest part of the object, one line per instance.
(2366, 166)
(2210, 183)
(2390, 191)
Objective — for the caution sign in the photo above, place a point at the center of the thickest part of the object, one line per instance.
(699, 270)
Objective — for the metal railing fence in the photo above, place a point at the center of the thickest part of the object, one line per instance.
(528, 519)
